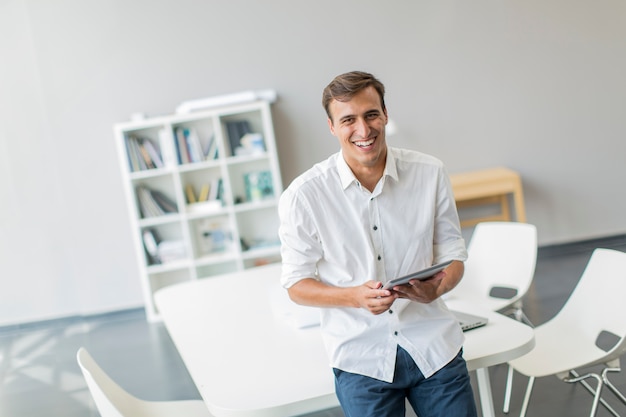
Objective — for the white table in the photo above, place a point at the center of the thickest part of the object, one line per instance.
(247, 360)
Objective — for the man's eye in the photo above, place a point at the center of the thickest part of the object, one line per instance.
(372, 116)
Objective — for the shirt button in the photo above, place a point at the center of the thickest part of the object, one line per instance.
(395, 333)
(379, 257)
(390, 311)
(375, 227)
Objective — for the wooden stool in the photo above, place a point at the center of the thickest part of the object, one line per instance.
(488, 187)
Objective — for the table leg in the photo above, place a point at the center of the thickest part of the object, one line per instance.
(484, 391)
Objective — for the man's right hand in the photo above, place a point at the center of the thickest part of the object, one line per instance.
(373, 298)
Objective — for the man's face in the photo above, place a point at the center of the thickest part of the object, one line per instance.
(359, 124)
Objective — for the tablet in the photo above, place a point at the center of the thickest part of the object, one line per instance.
(423, 274)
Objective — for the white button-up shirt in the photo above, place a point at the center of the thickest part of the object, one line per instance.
(334, 230)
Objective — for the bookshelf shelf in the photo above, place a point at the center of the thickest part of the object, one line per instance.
(202, 191)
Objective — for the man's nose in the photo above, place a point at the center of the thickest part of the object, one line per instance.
(362, 127)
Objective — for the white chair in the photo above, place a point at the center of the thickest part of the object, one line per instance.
(500, 266)
(498, 272)
(113, 401)
(593, 314)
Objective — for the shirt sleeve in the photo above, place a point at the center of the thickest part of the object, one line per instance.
(301, 248)
(448, 240)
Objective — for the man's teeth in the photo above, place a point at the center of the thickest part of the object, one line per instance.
(364, 143)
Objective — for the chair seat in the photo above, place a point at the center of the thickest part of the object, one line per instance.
(549, 358)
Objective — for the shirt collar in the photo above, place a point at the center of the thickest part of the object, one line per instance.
(347, 176)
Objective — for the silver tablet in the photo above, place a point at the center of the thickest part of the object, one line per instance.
(423, 274)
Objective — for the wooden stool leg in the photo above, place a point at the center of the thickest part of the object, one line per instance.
(506, 209)
(518, 200)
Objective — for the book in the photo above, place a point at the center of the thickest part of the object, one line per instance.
(164, 202)
(133, 162)
(151, 240)
(194, 146)
(210, 151)
(147, 204)
(171, 250)
(154, 202)
(181, 146)
(204, 193)
(215, 189)
(236, 130)
(149, 164)
(138, 157)
(191, 197)
(152, 151)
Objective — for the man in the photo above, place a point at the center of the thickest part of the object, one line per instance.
(366, 215)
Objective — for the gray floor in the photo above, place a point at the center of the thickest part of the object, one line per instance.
(39, 375)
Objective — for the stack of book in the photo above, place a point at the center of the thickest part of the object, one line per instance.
(161, 251)
(154, 202)
(189, 147)
(143, 154)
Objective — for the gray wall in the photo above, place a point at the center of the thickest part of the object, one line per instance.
(535, 85)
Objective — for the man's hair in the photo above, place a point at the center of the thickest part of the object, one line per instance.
(346, 86)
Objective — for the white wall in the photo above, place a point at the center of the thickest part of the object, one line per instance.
(537, 86)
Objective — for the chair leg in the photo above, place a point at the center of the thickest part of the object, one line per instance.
(507, 390)
(529, 390)
(597, 394)
(518, 314)
(612, 387)
(588, 387)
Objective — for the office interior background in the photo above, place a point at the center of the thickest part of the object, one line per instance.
(537, 86)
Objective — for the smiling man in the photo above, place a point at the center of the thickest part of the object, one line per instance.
(366, 215)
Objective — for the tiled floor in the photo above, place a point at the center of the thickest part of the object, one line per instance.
(39, 375)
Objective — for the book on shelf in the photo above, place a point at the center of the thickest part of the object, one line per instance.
(215, 189)
(151, 240)
(152, 151)
(154, 202)
(210, 151)
(236, 129)
(189, 146)
(143, 154)
(171, 250)
(131, 153)
(181, 146)
(204, 193)
(164, 202)
(189, 193)
(259, 185)
(194, 146)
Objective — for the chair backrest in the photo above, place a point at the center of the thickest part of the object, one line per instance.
(500, 255)
(597, 303)
(111, 399)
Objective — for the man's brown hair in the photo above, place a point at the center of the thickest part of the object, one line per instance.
(345, 86)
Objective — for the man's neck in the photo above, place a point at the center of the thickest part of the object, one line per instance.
(369, 176)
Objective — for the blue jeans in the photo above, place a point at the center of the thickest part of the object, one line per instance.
(447, 393)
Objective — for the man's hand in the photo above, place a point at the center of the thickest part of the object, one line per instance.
(371, 297)
(422, 291)
(427, 291)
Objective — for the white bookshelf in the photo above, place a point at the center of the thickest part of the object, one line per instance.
(235, 231)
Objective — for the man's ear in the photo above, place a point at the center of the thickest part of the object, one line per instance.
(331, 127)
